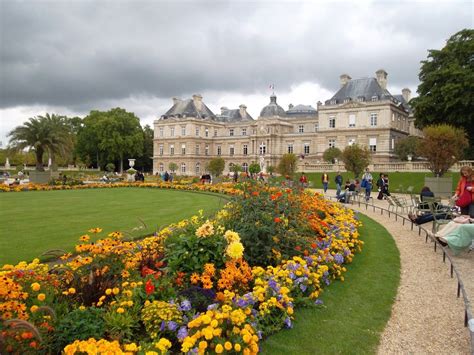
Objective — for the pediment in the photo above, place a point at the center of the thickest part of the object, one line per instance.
(353, 104)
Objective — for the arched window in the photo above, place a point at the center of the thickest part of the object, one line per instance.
(161, 168)
(198, 168)
(183, 168)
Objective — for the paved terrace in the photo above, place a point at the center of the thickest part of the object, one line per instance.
(427, 317)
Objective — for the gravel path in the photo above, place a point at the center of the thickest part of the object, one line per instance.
(427, 318)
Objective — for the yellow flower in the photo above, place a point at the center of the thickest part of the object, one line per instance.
(34, 308)
(131, 347)
(231, 236)
(120, 310)
(108, 291)
(205, 230)
(237, 347)
(228, 345)
(72, 290)
(235, 250)
(116, 290)
(95, 230)
(84, 238)
(41, 297)
(35, 286)
(219, 349)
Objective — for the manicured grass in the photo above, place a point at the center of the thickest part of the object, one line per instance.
(34, 222)
(397, 179)
(355, 311)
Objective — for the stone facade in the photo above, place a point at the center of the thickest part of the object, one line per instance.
(189, 134)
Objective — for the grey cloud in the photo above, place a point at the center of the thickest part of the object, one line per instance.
(78, 53)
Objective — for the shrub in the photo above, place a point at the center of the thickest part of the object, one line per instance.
(356, 158)
(287, 165)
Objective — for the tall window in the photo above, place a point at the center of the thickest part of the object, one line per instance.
(244, 131)
(301, 128)
(352, 120)
(161, 149)
(183, 167)
(262, 148)
(331, 142)
(198, 148)
(162, 167)
(183, 149)
(246, 149)
(206, 132)
(245, 167)
(219, 150)
(215, 133)
(373, 119)
(373, 144)
(316, 127)
(197, 131)
(161, 131)
(172, 131)
(231, 150)
(351, 141)
(231, 132)
(306, 148)
(183, 130)
(171, 149)
(198, 168)
(290, 148)
(332, 122)
(206, 149)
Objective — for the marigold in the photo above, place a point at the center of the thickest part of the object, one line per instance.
(41, 297)
(235, 250)
(35, 286)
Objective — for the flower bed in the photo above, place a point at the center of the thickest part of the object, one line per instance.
(215, 286)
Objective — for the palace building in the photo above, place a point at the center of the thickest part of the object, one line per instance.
(362, 111)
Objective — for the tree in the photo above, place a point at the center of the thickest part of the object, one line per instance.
(236, 168)
(173, 167)
(254, 168)
(407, 146)
(145, 162)
(442, 146)
(42, 134)
(216, 166)
(331, 154)
(110, 136)
(446, 79)
(287, 164)
(270, 169)
(356, 158)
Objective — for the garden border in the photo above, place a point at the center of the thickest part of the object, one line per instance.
(468, 316)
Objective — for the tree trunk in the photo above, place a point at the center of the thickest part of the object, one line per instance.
(39, 159)
(121, 163)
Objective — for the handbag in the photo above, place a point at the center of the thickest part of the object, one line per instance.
(363, 184)
(465, 199)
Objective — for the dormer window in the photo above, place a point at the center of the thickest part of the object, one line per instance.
(231, 132)
(361, 99)
(375, 98)
(333, 102)
(347, 99)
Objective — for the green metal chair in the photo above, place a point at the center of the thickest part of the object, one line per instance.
(437, 210)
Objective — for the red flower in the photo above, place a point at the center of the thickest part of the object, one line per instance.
(277, 219)
(147, 271)
(297, 248)
(255, 193)
(149, 287)
(313, 245)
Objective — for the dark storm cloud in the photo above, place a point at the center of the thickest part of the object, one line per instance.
(76, 53)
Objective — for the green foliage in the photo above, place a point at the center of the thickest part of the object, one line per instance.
(442, 145)
(121, 326)
(216, 166)
(356, 158)
(173, 167)
(446, 79)
(331, 154)
(236, 168)
(110, 167)
(110, 136)
(271, 169)
(407, 146)
(287, 164)
(79, 325)
(254, 168)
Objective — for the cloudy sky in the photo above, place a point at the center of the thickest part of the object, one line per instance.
(70, 57)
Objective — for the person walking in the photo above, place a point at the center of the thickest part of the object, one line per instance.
(465, 183)
(325, 181)
(338, 181)
(367, 183)
(380, 186)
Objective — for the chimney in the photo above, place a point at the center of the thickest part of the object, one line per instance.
(319, 103)
(197, 101)
(243, 111)
(344, 78)
(290, 106)
(406, 93)
(382, 78)
(223, 109)
(175, 100)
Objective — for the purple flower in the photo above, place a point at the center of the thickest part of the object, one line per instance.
(303, 287)
(288, 323)
(182, 333)
(185, 306)
(172, 325)
(259, 334)
(318, 302)
(163, 326)
(339, 258)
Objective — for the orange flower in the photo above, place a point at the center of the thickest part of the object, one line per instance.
(277, 219)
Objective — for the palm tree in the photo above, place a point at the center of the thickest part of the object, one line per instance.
(42, 134)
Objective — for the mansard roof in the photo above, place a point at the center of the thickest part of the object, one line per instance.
(360, 90)
(188, 108)
(233, 115)
(272, 109)
(405, 105)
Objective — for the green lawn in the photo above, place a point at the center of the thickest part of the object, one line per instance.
(37, 221)
(355, 311)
